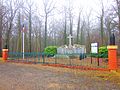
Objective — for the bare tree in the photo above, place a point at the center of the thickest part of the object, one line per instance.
(65, 27)
(102, 23)
(29, 12)
(71, 18)
(48, 8)
(30, 27)
(2, 14)
(118, 13)
(40, 36)
(13, 6)
(19, 47)
(82, 33)
(110, 24)
(88, 29)
(78, 27)
(37, 26)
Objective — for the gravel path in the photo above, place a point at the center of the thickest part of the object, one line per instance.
(20, 77)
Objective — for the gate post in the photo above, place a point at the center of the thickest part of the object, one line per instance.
(112, 57)
(4, 54)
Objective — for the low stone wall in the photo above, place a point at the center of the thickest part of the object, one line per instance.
(62, 50)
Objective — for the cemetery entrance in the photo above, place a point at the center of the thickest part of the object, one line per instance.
(83, 61)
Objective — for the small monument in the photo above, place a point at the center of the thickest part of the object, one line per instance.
(71, 49)
(70, 40)
(112, 39)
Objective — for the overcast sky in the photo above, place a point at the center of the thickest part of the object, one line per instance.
(86, 5)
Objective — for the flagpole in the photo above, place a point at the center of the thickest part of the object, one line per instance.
(23, 41)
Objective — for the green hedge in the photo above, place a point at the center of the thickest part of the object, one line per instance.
(103, 52)
(51, 50)
(100, 55)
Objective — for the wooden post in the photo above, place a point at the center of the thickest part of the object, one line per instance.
(91, 58)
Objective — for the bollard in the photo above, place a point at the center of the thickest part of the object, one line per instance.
(4, 54)
(112, 57)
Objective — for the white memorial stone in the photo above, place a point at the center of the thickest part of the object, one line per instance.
(70, 40)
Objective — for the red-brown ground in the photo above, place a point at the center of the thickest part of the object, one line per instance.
(38, 77)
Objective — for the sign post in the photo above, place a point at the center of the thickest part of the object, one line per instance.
(95, 49)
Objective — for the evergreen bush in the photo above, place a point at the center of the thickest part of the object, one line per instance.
(103, 52)
(50, 50)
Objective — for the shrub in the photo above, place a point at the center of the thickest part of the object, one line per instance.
(50, 50)
(94, 55)
(103, 52)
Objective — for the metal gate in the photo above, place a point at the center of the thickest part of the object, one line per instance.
(76, 60)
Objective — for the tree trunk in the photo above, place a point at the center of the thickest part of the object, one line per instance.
(118, 7)
(88, 42)
(78, 29)
(45, 41)
(65, 31)
(19, 47)
(71, 29)
(40, 39)
(81, 35)
(1, 36)
(102, 30)
(30, 29)
(108, 32)
(8, 35)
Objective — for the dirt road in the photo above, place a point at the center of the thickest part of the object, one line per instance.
(29, 77)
